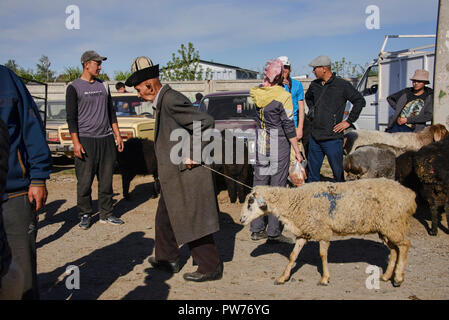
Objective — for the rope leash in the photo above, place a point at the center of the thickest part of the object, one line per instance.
(226, 176)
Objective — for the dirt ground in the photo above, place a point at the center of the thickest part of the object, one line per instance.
(112, 260)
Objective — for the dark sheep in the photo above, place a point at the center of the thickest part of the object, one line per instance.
(137, 158)
(370, 162)
(426, 171)
(240, 172)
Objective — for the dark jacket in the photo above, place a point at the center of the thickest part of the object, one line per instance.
(189, 193)
(398, 101)
(5, 251)
(328, 109)
(29, 157)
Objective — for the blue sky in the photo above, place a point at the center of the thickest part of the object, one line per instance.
(236, 32)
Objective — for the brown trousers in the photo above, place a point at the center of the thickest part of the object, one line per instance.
(203, 250)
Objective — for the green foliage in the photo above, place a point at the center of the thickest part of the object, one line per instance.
(122, 75)
(103, 76)
(346, 69)
(70, 74)
(11, 64)
(73, 73)
(43, 72)
(21, 72)
(185, 66)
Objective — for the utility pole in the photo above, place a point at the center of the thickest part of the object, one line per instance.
(441, 74)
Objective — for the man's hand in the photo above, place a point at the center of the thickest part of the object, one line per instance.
(120, 145)
(78, 150)
(39, 194)
(342, 126)
(401, 121)
(190, 163)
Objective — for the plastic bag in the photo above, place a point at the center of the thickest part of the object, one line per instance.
(297, 173)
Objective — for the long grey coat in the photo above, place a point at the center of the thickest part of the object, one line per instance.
(189, 194)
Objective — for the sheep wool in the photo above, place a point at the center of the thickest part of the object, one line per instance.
(403, 141)
(319, 210)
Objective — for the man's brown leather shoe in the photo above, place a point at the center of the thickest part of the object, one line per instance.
(165, 265)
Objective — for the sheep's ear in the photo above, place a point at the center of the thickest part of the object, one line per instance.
(439, 132)
(436, 133)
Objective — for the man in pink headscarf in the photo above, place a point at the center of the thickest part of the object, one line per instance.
(276, 133)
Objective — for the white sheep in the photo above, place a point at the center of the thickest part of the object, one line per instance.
(402, 141)
(318, 210)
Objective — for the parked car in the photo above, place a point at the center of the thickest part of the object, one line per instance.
(134, 116)
(233, 110)
(56, 117)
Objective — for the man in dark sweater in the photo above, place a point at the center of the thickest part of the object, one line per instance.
(326, 99)
(92, 125)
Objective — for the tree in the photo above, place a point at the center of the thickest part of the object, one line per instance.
(185, 66)
(43, 72)
(346, 69)
(73, 73)
(70, 74)
(103, 77)
(11, 64)
(21, 72)
(122, 75)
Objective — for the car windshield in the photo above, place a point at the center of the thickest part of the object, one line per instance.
(126, 106)
(55, 110)
(229, 107)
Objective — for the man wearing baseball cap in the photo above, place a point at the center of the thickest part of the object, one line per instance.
(326, 99)
(92, 124)
(187, 211)
(413, 106)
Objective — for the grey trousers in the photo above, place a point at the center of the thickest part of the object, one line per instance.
(277, 177)
(20, 221)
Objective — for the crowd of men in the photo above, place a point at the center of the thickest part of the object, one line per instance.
(187, 211)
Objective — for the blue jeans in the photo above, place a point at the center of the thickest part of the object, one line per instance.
(333, 150)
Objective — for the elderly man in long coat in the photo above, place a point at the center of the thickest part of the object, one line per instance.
(187, 211)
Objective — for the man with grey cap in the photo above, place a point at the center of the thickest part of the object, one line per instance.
(413, 106)
(187, 211)
(326, 99)
(92, 124)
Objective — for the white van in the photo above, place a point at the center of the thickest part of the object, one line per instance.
(388, 74)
